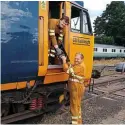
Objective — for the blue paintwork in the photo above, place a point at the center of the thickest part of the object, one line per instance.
(80, 3)
(19, 41)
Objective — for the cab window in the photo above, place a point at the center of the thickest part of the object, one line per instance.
(75, 19)
(86, 26)
(80, 21)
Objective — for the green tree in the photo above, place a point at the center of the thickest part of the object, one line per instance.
(111, 23)
(104, 40)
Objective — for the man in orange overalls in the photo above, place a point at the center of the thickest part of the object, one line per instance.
(56, 33)
(76, 85)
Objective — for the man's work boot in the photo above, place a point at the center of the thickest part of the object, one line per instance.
(80, 121)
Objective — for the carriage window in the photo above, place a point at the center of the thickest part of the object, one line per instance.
(75, 19)
(95, 49)
(113, 50)
(120, 50)
(104, 50)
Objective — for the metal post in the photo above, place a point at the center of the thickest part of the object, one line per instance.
(123, 68)
(93, 85)
(90, 84)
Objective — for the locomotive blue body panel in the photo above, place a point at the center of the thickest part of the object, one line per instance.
(19, 41)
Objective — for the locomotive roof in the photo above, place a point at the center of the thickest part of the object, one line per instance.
(80, 3)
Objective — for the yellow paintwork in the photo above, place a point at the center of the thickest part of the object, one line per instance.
(15, 85)
(43, 50)
(67, 37)
(73, 48)
(86, 50)
(56, 75)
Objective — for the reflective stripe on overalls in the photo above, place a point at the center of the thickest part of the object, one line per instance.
(51, 53)
(60, 37)
(51, 32)
(74, 119)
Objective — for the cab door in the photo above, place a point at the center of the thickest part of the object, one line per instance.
(55, 72)
(56, 11)
(80, 37)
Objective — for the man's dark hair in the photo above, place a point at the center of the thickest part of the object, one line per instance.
(66, 18)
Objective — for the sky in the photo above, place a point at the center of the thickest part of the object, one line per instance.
(95, 8)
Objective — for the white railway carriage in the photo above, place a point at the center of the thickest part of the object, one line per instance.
(108, 51)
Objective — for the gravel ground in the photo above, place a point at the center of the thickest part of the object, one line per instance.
(98, 110)
(95, 111)
(101, 108)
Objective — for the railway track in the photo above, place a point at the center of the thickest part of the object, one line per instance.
(107, 87)
(97, 95)
(99, 90)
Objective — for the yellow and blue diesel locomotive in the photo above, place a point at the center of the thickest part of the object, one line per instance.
(28, 81)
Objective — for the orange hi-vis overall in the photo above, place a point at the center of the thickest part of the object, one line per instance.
(55, 35)
(76, 89)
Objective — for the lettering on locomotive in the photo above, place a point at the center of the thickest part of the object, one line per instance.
(81, 41)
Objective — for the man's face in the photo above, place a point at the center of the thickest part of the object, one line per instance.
(62, 23)
(78, 59)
